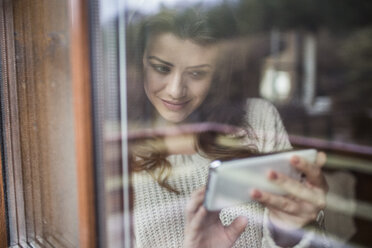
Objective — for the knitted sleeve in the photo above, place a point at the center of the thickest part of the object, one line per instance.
(264, 120)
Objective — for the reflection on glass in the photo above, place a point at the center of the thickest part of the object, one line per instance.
(184, 77)
(194, 76)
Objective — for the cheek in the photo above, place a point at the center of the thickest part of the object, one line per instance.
(201, 89)
(153, 82)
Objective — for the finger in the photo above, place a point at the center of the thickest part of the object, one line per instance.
(312, 172)
(299, 210)
(277, 219)
(236, 228)
(321, 159)
(313, 195)
(200, 217)
(320, 162)
(195, 201)
(281, 203)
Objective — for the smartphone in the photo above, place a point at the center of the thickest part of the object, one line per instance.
(230, 182)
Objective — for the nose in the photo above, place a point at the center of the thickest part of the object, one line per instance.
(176, 88)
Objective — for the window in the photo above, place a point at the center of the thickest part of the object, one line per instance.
(112, 112)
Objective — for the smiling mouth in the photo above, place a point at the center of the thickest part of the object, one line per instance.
(174, 106)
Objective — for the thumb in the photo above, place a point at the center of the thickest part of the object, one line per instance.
(235, 229)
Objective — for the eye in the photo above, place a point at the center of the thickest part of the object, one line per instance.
(198, 74)
(163, 69)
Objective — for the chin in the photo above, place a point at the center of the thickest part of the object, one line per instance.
(174, 118)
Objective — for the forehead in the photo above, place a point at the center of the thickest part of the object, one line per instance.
(181, 51)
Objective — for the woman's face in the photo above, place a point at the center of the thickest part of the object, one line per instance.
(178, 75)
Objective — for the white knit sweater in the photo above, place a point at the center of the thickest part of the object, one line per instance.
(159, 214)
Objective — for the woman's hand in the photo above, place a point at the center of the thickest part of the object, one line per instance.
(204, 228)
(304, 200)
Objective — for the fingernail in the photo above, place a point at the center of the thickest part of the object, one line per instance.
(244, 220)
(295, 160)
(256, 194)
(273, 175)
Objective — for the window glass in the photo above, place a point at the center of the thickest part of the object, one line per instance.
(227, 80)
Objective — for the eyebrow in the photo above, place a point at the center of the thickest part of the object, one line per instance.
(170, 64)
(160, 60)
(198, 66)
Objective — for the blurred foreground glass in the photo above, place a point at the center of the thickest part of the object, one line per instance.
(308, 58)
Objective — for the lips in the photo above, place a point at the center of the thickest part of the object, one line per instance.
(173, 105)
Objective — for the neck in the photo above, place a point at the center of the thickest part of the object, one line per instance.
(176, 142)
(180, 144)
(160, 122)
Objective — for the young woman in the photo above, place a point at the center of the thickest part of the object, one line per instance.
(184, 80)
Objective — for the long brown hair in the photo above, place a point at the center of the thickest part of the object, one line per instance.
(220, 106)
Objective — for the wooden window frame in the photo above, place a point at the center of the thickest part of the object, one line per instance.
(18, 227)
